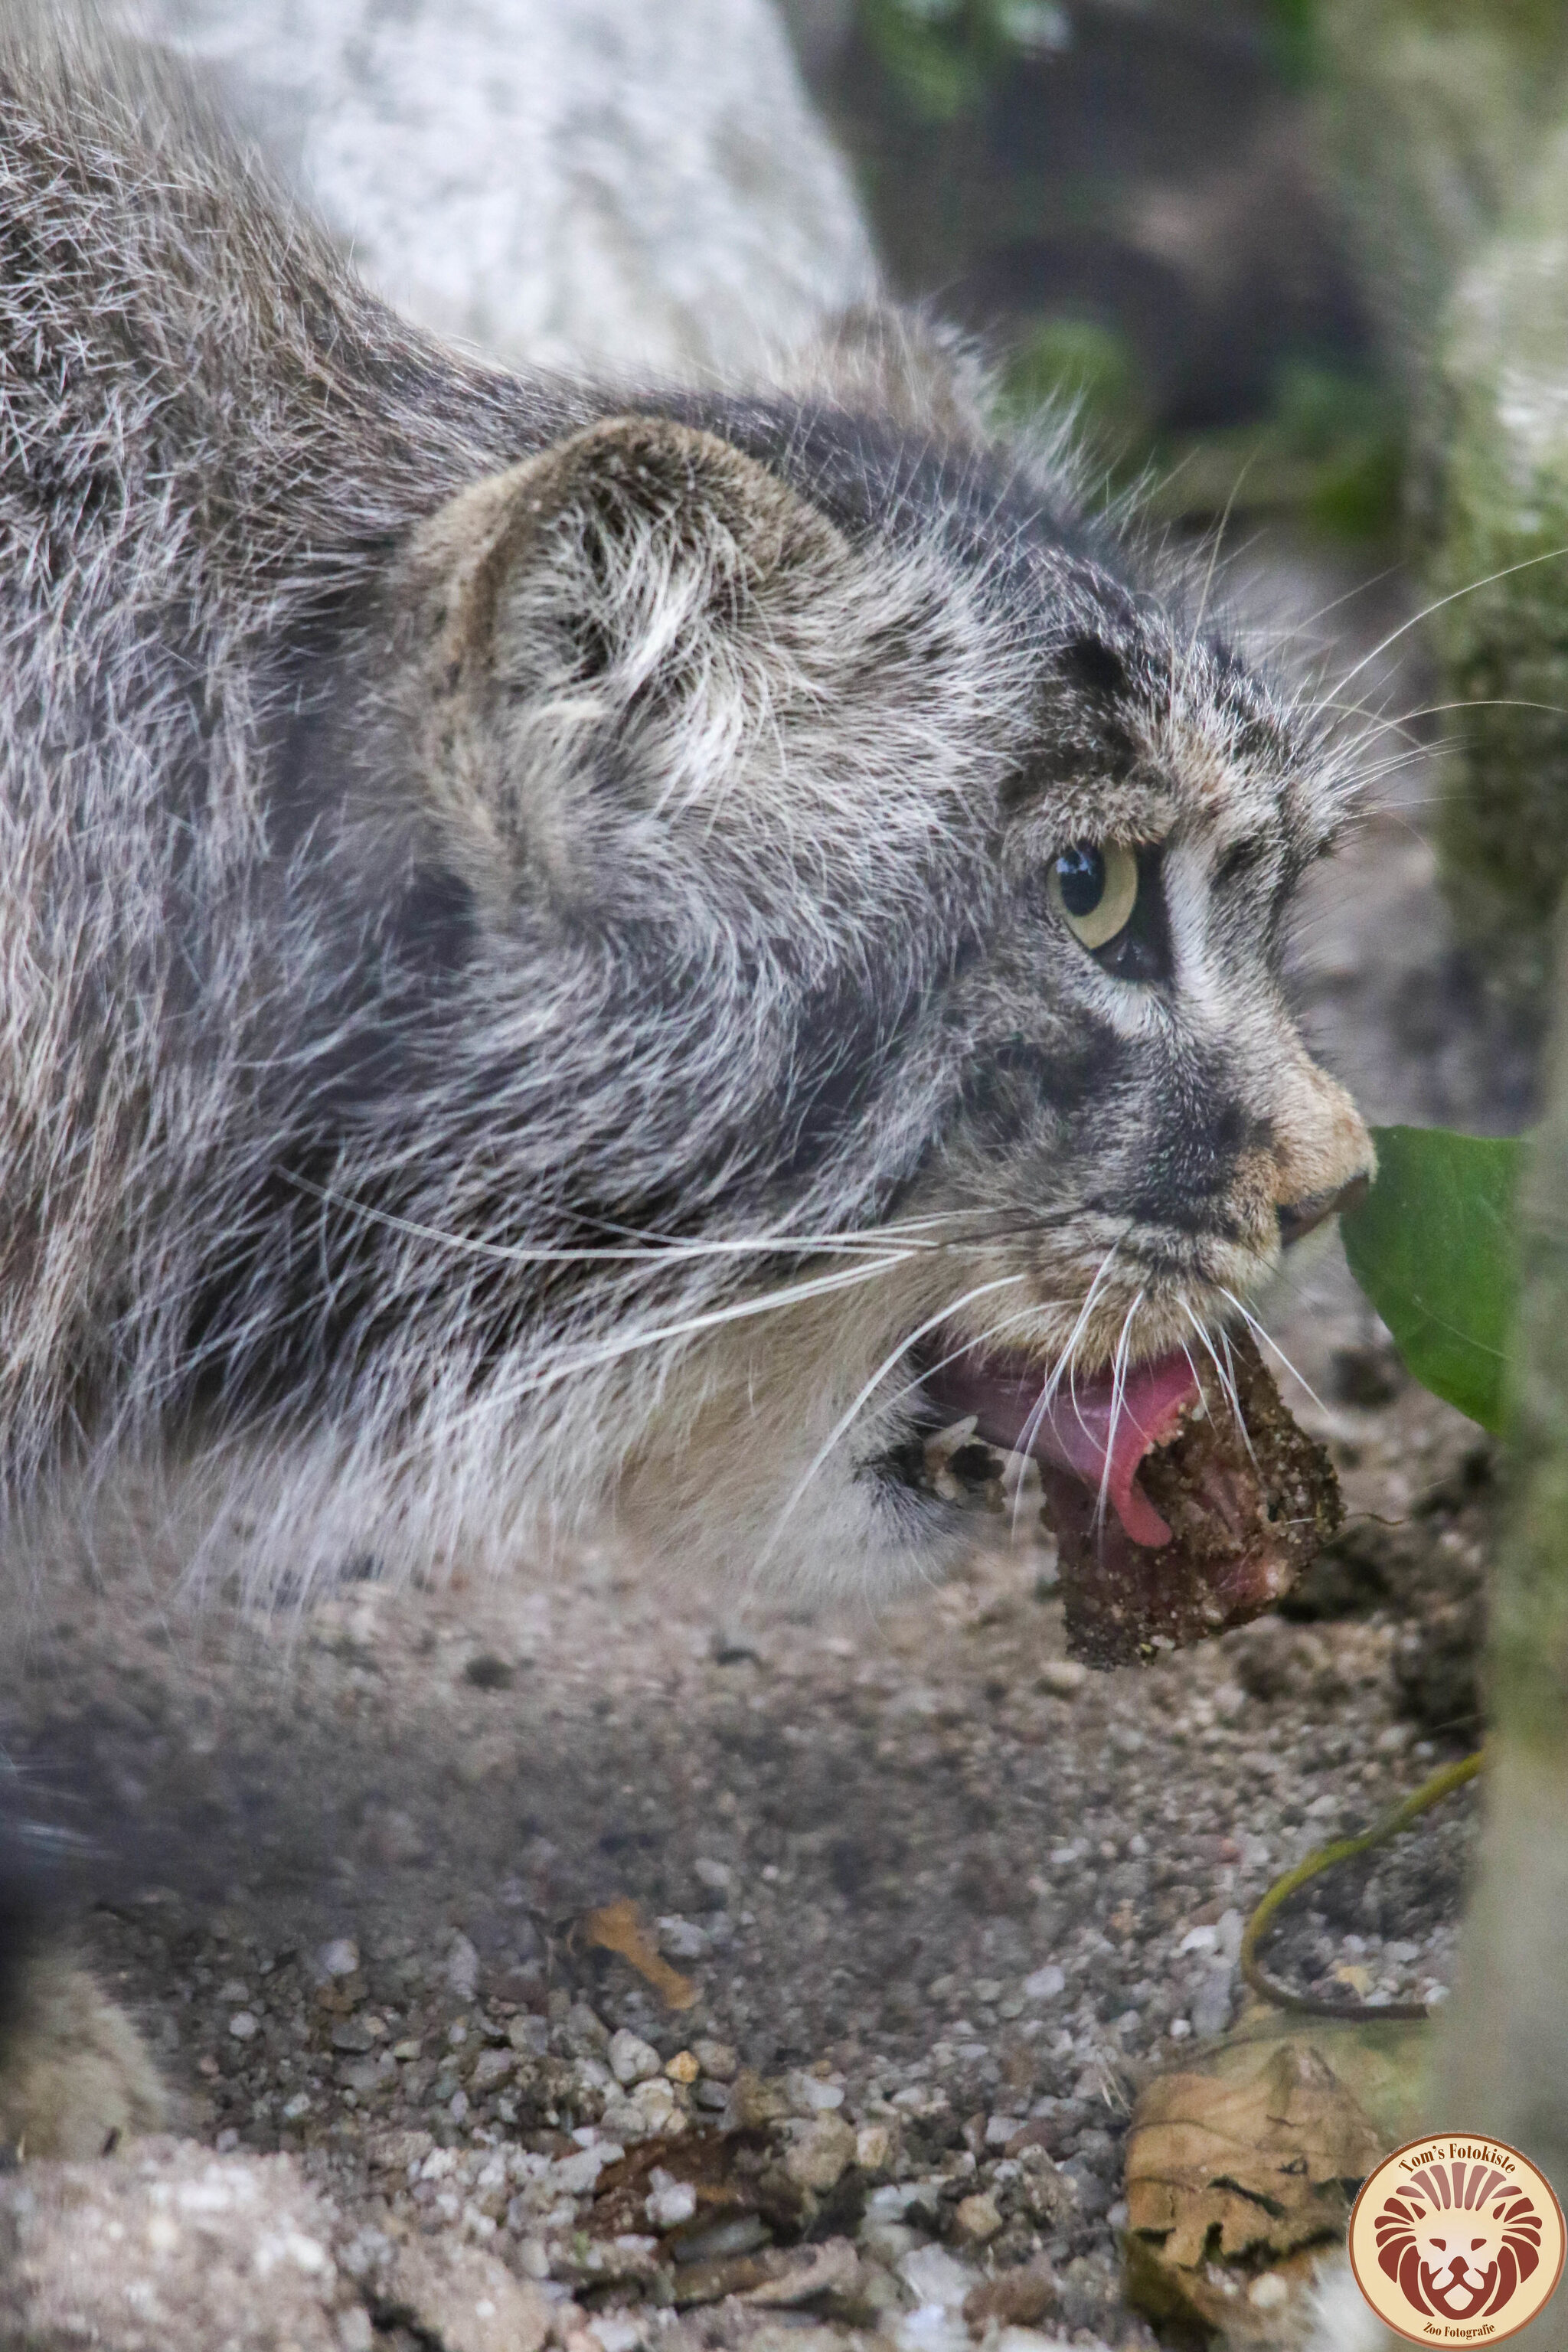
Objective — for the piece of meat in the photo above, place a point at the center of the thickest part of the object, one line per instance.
(1247, 1506)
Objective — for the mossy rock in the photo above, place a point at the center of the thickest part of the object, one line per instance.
(1502, 389)
(1432, 110)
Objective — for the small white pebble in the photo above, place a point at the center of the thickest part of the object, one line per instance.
(461, 1970)
(616, 2331)
(681, 1940)
(670, 2202)
(243, 2026)
(632, 2059)
(339, 1957)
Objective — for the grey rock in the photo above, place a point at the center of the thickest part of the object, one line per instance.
(464, 2300)
(175, 2250)
(1503, 382)
(558, 180)
(632, 2059)
(462, 1968)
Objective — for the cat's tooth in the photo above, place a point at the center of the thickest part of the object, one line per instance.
(941, 1448)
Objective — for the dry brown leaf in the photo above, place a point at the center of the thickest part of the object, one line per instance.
(1267, 2158)
(722, 2166)
(1240, 2167)
(618, 1927)
(1381, 2060)
(1238, 2309)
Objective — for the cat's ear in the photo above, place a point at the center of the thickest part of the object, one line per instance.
(913, 370)
(600, 631)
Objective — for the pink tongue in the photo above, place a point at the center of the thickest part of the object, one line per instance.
(1080, 1431)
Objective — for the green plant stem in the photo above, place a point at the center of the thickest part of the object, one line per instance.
(1325, 1857)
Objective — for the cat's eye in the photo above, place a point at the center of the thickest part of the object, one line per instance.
(1094, 887)
(1112, 899)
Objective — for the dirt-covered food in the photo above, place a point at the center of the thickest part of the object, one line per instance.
(1184, 1498)
(1246, 1499)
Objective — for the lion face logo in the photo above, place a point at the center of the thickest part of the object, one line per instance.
(1458, 2239)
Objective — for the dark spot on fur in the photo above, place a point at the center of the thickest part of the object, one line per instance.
(435, 926)
(1189, 1168)
(1097, 668)
(842, 1045)
(1007, 1091)
(1242, 859)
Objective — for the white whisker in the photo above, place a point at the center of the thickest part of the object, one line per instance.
(932, 1322)
(654, 1249)
(1224, 1372)
(1552, 555)
(1047, 1395)
(1256, 1327)
(1117, 1400)
(551, 1376)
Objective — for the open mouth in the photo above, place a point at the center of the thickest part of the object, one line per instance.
(1180, 1505)
(1097, 1429)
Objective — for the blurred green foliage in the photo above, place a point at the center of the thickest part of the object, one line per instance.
(1330, 447)
(1087, 365)
(943, 54)
(946, 185)
(1292, 26)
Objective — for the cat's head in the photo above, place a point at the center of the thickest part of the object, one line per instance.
(879, 892)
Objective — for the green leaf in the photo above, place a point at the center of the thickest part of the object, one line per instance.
(1434, 1248)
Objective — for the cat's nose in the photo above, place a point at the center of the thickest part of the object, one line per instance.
(1298, 1218)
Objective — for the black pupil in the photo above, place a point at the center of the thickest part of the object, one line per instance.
(1080, 874)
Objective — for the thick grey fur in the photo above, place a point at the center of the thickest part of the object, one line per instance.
(528, 982)
(528, 975)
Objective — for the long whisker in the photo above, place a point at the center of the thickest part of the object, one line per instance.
(1347, 596)
(551, 1375)
(1553, 555)
(655, 1249)
(1224, 1373)
(1214, 558)
(908, 1235)
(932, 1322)
(1047, 1395)
(1117, 1400)
(969, 1348)
(1268, 1339)
(899, 1230)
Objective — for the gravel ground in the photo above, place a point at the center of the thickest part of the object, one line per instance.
(944, 1898)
